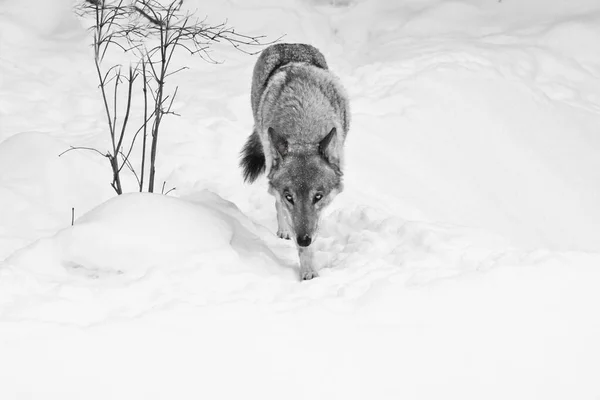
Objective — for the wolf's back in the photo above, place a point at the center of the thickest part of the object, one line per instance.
(272, 60)
(277, 56)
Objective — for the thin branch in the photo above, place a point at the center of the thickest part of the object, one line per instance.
(129, 166)
(172, 99)
(83, 148)
(112, 134)
(150, 18)
(154, 73)
(104, 80)
(128, 107)
(145, 126)
(176, 71)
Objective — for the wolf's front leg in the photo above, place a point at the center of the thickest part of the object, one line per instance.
(307, 269)
(283, 227)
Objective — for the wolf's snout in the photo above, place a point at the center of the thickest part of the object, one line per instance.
(304, 241)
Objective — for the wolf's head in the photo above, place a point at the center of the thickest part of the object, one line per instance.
(304, 181)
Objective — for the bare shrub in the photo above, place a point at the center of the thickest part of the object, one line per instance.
(153, 31)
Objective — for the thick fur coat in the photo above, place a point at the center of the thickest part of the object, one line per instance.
(295, 94)
(301, 119)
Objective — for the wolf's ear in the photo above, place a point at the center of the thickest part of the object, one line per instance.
(279, 143)
(326, 148)
(324, 143)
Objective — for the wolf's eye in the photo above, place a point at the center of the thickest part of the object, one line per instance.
(289, 198)
(318, 197)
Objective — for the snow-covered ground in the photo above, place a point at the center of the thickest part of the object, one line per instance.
(462, 261)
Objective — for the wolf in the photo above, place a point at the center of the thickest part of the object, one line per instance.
(301, 119)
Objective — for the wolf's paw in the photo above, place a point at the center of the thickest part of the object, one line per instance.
(283, 234)
(308, 274)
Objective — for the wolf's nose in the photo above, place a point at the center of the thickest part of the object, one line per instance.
(304, 241)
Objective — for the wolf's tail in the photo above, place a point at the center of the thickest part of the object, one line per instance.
(253, 158)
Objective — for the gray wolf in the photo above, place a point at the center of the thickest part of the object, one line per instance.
(301, 119)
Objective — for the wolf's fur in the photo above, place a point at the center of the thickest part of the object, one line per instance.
(301, 118)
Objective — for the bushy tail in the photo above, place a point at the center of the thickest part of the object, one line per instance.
(253, 158)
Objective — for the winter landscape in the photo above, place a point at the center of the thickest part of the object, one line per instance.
(461, 261)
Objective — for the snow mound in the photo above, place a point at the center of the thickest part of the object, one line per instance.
(147, 244)
(134, 232)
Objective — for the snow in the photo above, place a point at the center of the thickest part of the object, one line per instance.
(40, 189)
(461, 261)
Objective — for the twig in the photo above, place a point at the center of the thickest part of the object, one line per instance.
(162, 191)
(83, 148)
(144, 76)
(130, 167)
